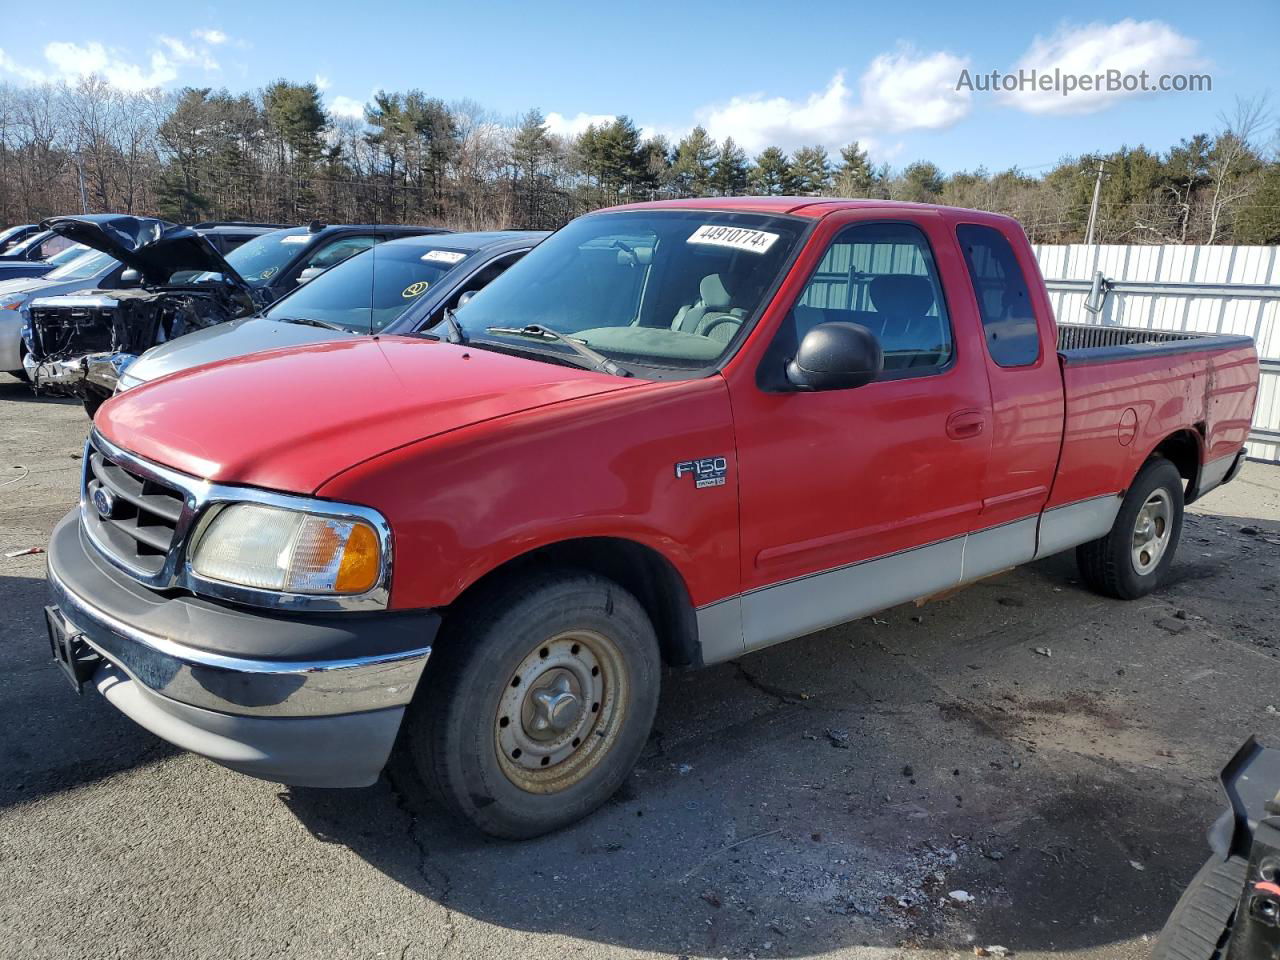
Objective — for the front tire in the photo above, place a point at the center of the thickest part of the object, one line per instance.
(1131, 560)
(91, 404)
(538, 703)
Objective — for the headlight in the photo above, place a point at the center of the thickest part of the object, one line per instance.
(126, 381)
(12, 301)
(270, 548)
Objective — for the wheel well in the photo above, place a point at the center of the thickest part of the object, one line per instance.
(647, 574)
(1182, 449)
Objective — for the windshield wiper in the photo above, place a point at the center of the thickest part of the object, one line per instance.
(313, 322)
(598, 360)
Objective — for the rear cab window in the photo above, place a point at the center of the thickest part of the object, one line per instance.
(1004, 300)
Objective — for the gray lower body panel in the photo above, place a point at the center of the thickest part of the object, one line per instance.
(347, 750)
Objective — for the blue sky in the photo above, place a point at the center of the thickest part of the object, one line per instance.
(815, 72)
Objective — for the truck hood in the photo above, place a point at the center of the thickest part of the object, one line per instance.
(224, 341)
(157, 249)
(291, 419)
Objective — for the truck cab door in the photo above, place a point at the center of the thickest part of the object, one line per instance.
(1020, 354)
(854, 500)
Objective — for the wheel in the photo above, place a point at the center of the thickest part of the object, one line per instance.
(1201, 921)
(1131, 560)
(538, 703)
(92, 403)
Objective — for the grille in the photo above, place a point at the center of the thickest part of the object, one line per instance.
(141, 527)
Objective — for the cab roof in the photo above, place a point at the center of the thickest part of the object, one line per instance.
(813, 207)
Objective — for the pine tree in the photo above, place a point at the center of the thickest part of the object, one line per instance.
(729, 170)
(855, 177)
(810, 171)
(771, 175)
(695, 154)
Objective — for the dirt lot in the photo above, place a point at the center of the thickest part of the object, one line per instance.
(1024, 764)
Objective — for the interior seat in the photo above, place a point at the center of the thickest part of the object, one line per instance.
(712, 314)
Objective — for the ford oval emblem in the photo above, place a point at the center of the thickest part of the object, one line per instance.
(104, 502)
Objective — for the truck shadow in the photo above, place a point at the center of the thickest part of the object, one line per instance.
(48, 747)
(919, 778)
(11, 388)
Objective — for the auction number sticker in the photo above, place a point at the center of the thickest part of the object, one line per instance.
(296, 238)
(737, 238)
(443, 256)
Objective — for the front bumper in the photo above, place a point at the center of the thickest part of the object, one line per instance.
(95, 373)
(310, 701)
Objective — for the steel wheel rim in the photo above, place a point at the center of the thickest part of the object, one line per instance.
(561, 710)
(1151, 532)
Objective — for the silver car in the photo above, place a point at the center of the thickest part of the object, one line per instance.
(90, 268)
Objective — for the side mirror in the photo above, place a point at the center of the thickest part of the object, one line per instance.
(835, 356)
(309, 274)
(465, 298)
(130, 278)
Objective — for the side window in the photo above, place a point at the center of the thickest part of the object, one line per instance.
(1004, 302)
(882, 276)
(481, 279)
(337, 251)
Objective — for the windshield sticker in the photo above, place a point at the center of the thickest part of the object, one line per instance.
(443, 256)
(295, 238)
(414, 290)
(268, 273)
(738, 238)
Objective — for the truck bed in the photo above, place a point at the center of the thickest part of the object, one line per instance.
(1129, 389)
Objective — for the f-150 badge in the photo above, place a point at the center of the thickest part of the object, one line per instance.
(707, 472)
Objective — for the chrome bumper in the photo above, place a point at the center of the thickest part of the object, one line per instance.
(215, 681)
(98, 370)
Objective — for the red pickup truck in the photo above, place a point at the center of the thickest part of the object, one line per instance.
(672, 434)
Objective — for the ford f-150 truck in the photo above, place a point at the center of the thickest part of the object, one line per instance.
(672, 434)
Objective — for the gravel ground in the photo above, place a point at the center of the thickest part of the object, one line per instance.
(916, 784)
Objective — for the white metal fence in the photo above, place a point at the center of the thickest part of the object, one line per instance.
(1198, 289)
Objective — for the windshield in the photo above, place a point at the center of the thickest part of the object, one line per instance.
(83, 265)
(263, 257)
(368, 291)
(7, 236)
(666, 288)
(67, 254)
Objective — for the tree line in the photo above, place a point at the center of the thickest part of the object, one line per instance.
(277, 155)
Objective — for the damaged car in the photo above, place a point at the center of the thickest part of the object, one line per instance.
(175, 282)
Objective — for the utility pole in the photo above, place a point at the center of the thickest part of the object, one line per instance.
(1093, 207)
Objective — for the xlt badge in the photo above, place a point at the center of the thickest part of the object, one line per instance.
(707, 472)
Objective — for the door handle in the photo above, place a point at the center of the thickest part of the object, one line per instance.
(965, 424)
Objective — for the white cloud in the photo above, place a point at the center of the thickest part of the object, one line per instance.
(348, 107)
(1129, 46)
(564, 126)
(901, 91)
(158, 67)
(905, 91)
(211, 36)
(29, 74)
(322, 82)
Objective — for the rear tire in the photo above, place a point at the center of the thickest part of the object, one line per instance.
(1200, 924)
(1131, 560)
(92, 403)
(537, 704)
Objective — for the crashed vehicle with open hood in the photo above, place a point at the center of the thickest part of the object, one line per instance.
(176, 282)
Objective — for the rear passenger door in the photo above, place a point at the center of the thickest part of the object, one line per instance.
(853, 500)
(1021, 356)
